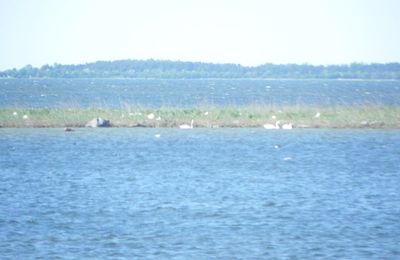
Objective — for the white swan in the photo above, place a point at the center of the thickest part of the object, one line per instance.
(287, 126)
(271, 126)
(186, 126)
(150, 116)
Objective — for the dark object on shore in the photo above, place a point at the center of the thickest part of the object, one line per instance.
(98, 122)
(138, 125)
(67, 129)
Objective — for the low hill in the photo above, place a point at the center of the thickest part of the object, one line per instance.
(179, 69)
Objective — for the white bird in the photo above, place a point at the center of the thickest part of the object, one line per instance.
(25, 117)
(157, 135)
(186, 126)
(317, 115)
(150, 116)
(271, 126)
(287, 126)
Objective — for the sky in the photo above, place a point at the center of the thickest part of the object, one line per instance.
(247, 32)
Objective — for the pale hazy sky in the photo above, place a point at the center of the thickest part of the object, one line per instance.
(249, 32)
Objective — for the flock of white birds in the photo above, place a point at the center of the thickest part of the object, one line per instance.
(268, 126)
(277, 125)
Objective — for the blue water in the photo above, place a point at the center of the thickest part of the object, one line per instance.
(119, 93)
(199, 194)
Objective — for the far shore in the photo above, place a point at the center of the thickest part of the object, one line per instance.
(252, 116)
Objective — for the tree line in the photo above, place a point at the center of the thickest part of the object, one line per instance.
(195, 70)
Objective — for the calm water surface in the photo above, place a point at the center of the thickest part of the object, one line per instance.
(119, 93)
(202, 194)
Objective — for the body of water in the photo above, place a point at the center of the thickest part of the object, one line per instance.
(199, 194)
(118, 93)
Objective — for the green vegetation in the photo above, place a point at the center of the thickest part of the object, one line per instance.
(178, 69)
(209, 117)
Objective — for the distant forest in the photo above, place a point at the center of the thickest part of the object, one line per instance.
(198, 70)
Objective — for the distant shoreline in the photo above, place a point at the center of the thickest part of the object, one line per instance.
(167, 69)
(252, 116)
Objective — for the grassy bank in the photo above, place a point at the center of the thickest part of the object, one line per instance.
(209, 117)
